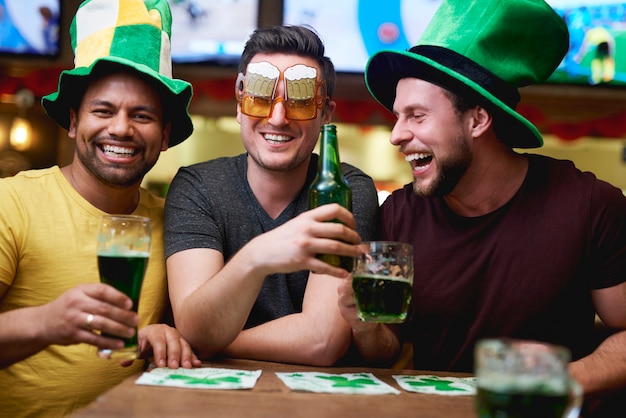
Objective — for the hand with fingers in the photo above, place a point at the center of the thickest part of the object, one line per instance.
(77, 316)
(295, 245)
(347, 306)
(73, 316)
(166, 346)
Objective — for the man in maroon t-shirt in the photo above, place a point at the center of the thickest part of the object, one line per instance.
(506, 244)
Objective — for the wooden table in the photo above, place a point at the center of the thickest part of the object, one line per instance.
(271, 398)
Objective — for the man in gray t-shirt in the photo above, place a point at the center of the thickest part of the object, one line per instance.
(240, 240)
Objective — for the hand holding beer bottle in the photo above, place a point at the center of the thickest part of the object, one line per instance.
(123, 251)
(330, 186)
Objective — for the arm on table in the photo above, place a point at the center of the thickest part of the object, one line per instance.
(210, 308)
(316, 336)
(212, 300)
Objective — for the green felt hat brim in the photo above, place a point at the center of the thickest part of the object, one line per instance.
(385, 68)
(177, 93)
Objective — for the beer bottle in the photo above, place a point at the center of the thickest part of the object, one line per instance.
(329, 186)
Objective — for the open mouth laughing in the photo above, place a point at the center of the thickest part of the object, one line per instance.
(419, 159)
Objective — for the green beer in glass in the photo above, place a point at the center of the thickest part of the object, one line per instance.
(524, 379)
(382, 280)
(123, 251)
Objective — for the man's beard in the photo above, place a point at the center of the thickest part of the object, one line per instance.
(108, 174)
(450, 170)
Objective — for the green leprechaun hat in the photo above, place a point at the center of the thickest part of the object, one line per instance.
(134, 35)
(483, 49)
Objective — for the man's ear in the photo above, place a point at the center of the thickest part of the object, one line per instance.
(328, 110)
(167, 131)
(71, 130)
(481, 120)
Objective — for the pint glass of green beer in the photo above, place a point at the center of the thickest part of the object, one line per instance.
(382, 280)
(524, 379)
(123, 251)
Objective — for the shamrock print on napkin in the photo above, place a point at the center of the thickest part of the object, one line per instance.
(438, 385)
(350, 383)
(200, 378)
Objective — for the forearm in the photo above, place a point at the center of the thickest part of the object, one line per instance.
(21, 335)
(212, 315)
(293, 339)
(603, 372)
(377, 343)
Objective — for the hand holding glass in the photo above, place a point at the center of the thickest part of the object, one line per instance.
(123, 251)
(382, 279)
(519, 379)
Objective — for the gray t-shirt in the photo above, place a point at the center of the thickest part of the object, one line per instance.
(211, 205)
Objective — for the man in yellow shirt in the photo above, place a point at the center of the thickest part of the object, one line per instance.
(122, 108)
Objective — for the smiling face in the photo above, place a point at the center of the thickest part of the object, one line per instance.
(433, 136)
(119, 129)
(275, 143)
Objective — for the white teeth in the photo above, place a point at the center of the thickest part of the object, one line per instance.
(277, 138)
(416, 156)
(115, 150)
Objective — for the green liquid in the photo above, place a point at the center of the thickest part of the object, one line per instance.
(125, 273)
(514, 404)
(381, 298)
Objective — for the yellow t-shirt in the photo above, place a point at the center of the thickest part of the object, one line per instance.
(48, 246)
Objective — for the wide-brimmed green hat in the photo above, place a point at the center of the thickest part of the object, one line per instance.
(129, 35)
(486, 49)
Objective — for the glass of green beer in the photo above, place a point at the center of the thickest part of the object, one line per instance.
(123, 251)
(382, 279)
(519, 379)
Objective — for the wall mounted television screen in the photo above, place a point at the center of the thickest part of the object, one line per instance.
(597, 53)
(212, 31)
(353, 30)
(30, 27)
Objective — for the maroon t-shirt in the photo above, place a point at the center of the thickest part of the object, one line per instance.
(525, 270)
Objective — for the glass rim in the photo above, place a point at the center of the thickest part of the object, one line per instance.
(386, 243)
(525, 345)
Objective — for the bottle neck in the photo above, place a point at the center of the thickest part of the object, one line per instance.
(329, 151)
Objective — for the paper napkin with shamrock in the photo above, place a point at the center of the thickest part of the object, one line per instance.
(351, 383)
(200, 378)
(438, 385)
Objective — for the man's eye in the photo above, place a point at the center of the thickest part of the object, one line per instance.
(143, 117)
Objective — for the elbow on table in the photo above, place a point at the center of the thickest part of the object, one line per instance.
(203, 345)
(326, 353)
(206, 350)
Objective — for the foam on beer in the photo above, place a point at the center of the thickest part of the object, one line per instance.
(300, 81)
(261, 79)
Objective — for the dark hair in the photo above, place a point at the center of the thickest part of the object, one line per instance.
(294, 40)
(462, 103)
